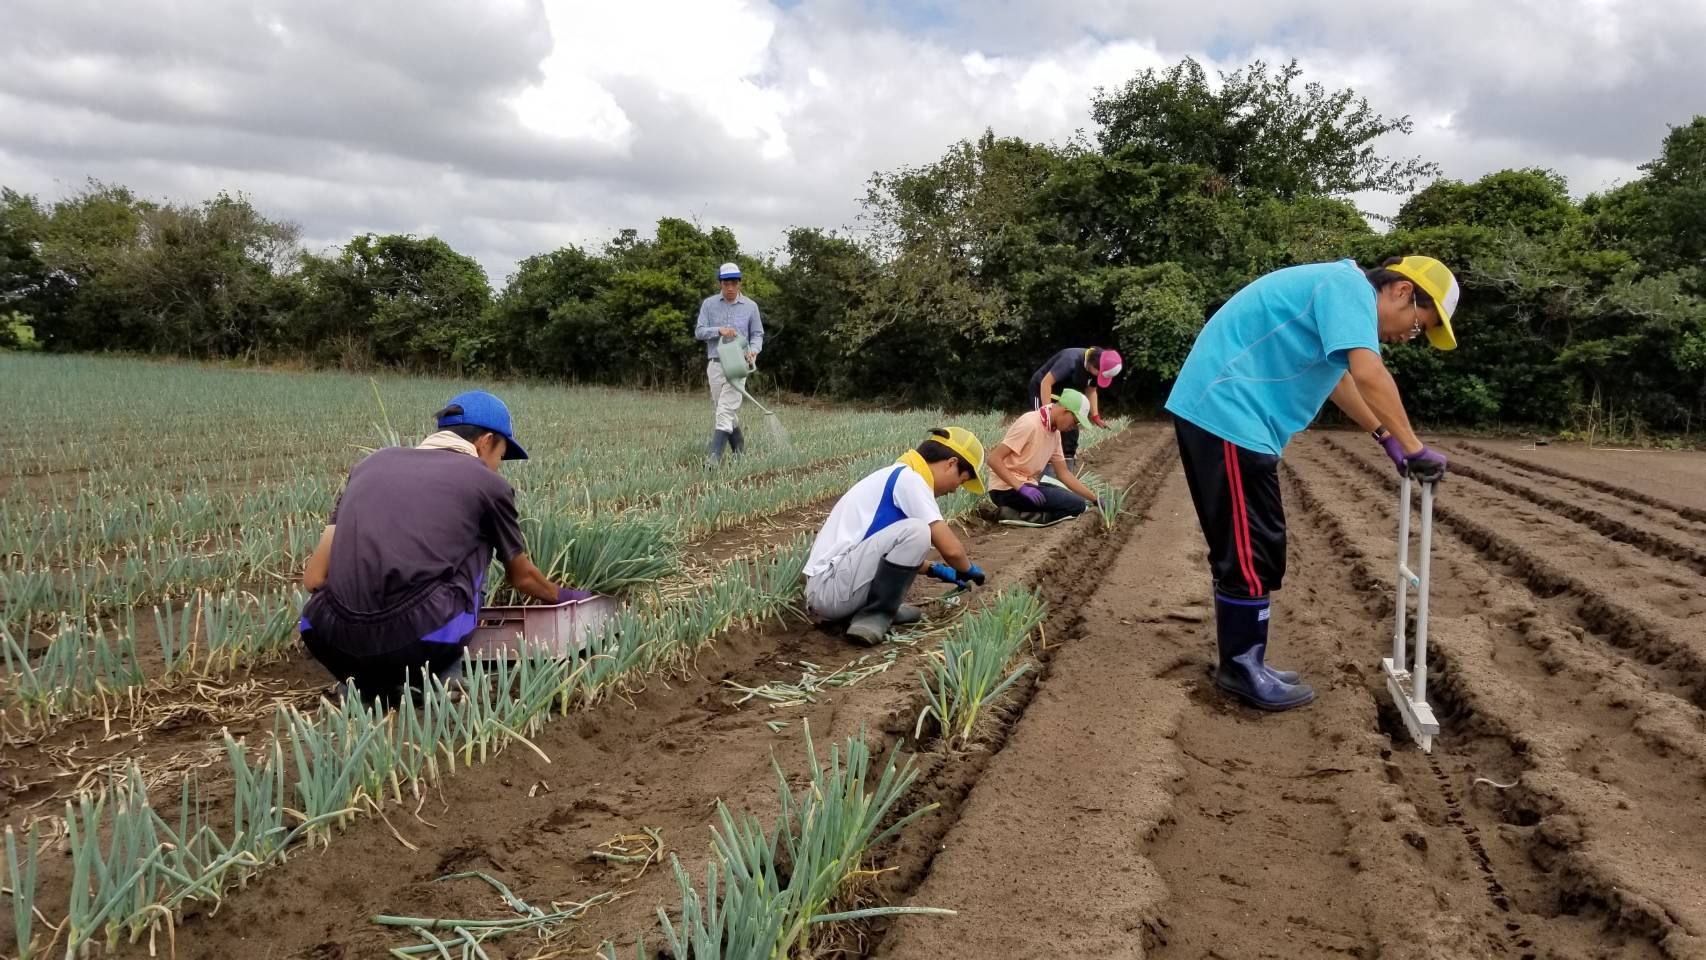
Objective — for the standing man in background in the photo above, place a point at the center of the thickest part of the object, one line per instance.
(726, 316)
(1258, 373)
(1084, 369)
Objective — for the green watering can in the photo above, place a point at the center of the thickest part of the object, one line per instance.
(731, 353)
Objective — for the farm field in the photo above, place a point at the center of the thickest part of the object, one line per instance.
(1109, 804)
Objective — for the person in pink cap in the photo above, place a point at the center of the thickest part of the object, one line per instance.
(1085, 369)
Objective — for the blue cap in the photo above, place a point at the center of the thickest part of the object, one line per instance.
(481, 409)
(729, 271)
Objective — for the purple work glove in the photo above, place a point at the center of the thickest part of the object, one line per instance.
(567, 594)
(1395, 450)
(1426, 465)
(1033, 493)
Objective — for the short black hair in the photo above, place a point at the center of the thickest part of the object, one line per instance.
(466, 431)
(1381, 276)
(469, 432)
(935, 451)
(1091, 356)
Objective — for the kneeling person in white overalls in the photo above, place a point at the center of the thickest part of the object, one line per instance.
(880, 533)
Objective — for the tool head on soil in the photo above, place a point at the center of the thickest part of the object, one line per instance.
(1407, 683)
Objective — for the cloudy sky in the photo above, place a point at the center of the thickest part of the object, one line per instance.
(509, 127)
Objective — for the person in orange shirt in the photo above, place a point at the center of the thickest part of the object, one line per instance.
(1032, 444)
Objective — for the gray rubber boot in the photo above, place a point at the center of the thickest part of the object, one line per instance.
(737, 441)
(1024, 516)
(714, 452)
(907, 614)
(882, 604)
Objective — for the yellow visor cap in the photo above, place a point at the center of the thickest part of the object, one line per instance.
(1438, 282)
(968, 448)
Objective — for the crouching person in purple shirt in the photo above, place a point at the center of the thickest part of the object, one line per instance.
(398, 574)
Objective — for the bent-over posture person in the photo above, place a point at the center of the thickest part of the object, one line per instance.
(1085, 369)
(880, 532)
(1033, 444)
(396, 579)
(1257, 374)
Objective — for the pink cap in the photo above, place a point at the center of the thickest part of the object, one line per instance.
(1110, 364)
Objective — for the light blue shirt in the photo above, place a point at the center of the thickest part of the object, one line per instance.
(742, 315)
(1270, 356)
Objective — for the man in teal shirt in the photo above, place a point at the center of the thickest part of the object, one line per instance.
(1258, 373)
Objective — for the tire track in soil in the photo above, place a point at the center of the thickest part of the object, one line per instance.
(658, 757)
(1619, 491)
(1600, 834)
(1673, 657)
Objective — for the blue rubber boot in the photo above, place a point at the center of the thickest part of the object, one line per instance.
(1242, 629)
(1283, 676)
(714, 451)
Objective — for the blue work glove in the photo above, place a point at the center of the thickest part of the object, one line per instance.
(1394, 450)
(972, 574)
(566, 594)
(1426, 465)
(1033, 493)
(944, 573)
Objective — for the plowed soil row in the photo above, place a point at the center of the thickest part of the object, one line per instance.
(1134, 812)
(1603, 822)
(179, 726)
(1116, 805)
(659, 761)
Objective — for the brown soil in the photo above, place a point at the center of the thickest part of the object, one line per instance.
(1116, 806)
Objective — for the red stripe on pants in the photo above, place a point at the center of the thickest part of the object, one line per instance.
(1241, 522)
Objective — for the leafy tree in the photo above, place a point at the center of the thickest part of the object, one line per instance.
(16, 333)
(410, 300)
(1256, 131)
(546, 321)
(1661, 218)
(1532, 201)
(825, 281)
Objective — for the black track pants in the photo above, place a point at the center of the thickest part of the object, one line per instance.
(1237, 496)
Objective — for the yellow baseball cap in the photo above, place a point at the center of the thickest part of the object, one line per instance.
(968, 448)
(1437, 281)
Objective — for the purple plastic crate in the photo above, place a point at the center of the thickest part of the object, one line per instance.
(559, 628)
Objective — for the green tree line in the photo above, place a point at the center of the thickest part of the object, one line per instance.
(963, 274)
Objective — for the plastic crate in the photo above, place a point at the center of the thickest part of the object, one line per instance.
(559, 628)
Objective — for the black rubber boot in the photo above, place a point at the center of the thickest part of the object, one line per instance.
(882, 604)
(714, 452)
(1242, 631)
(737, 442)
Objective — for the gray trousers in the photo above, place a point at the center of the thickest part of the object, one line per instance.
(725, 399)
(841, 590)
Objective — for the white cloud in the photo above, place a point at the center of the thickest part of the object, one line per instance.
(513, 127)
